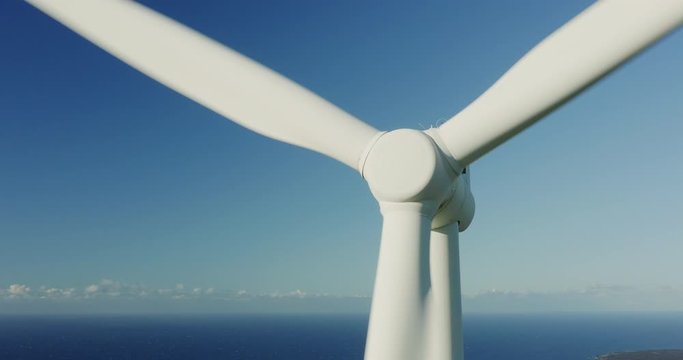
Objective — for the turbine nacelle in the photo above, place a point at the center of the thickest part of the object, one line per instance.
(409, 166)
(459, 208)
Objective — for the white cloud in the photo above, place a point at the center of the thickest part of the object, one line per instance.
(112, 288)
(56, 293)
(298, 293)
(18, 290)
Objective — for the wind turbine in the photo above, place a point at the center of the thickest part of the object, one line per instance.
(420, 179)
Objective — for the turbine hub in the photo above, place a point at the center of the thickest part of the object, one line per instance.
(407, 166)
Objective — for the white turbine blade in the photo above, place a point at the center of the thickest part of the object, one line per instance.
(444, 316)
(214, 76)
(399, 300)
(572, 58)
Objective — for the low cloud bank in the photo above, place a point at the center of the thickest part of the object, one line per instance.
(116, 296)
(120, 297)
(593, 298)
(110, 289)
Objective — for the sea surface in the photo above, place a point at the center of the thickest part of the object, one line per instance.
(303, 337)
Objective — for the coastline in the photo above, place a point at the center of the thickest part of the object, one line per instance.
(664, 354)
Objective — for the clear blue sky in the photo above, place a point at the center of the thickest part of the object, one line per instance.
(106, 174)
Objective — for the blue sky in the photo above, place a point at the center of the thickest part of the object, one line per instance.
(110, 178)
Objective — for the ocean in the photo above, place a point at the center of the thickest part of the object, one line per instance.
(303, 337)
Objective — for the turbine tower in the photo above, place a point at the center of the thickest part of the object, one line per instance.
(419, 178)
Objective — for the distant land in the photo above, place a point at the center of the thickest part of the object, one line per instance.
(644, 355)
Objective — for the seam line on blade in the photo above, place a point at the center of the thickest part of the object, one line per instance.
(450, 159)
(366, 152)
